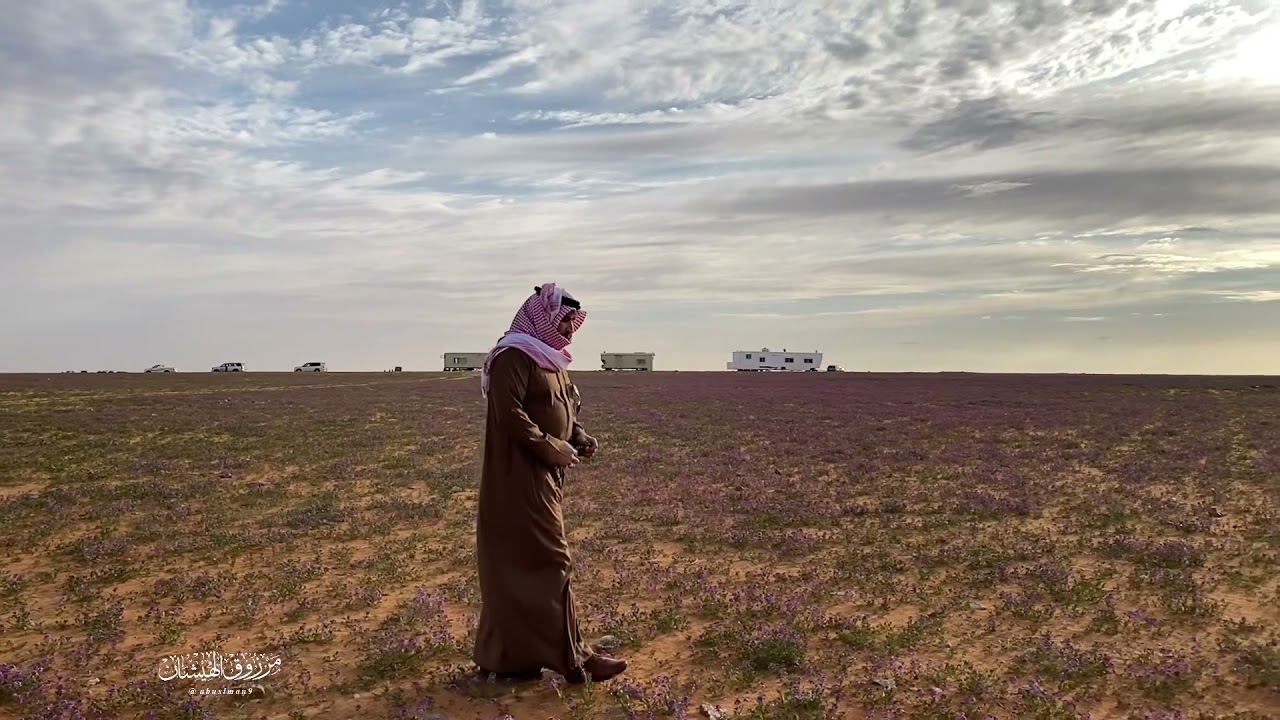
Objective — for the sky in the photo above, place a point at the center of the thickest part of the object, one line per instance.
(977, 185)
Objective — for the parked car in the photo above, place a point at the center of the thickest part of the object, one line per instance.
(229, 367)
(311, 367)
(159, 368)
(834, 368)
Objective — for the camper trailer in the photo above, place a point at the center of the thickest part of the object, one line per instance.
(626, 361)
(463, 361)
(766, 360)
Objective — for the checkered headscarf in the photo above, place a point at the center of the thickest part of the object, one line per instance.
(541, 314)
(535, 330)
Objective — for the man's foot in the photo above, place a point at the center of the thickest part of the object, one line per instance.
(520, 676)
(598, 668)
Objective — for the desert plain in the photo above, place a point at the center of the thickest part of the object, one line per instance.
(806, 546)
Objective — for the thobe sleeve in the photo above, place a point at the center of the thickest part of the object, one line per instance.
(508, 383)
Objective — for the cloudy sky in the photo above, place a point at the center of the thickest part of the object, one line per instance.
(985, 185)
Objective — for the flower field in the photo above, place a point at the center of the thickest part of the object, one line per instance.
(762, 546)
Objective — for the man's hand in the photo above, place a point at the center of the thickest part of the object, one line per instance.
(565, 455)
(589, 446)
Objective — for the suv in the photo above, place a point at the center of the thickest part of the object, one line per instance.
(311, 367)
(229, 367)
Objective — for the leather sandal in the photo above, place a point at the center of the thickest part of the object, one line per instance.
(598, 669)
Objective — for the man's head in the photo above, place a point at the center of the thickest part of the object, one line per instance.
(551, 315)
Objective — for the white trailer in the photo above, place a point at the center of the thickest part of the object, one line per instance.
(766, 360)
(464, 361)
(639, 361)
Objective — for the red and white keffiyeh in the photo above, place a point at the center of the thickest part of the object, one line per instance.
(535, 330)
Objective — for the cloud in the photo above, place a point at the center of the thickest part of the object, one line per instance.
(1254, 296)
(1230, 260)
(983, 122)
(987, 188)
(1113, 195)
(1181, 110)
(744, 165)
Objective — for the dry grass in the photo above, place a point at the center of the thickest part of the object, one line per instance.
(799, 546)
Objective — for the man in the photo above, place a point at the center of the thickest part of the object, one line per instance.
(532, 436)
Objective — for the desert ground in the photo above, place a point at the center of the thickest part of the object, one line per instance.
(761, 546)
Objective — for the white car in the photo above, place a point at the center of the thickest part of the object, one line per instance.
(834, 368)
(159, 368)
(229, 367)
(311, 367)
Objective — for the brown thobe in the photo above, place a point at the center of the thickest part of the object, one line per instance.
(527, 619)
